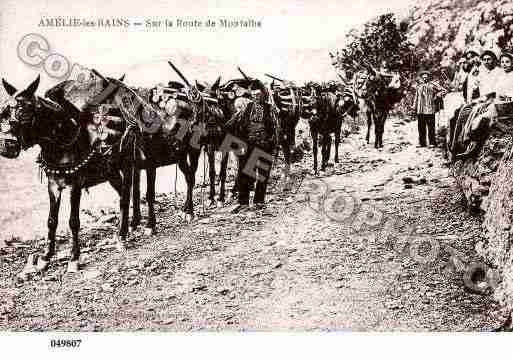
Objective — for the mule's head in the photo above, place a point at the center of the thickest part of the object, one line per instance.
(210, 90)
(17, 126)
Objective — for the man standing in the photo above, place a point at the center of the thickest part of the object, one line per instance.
(424, 107)
(255, 124)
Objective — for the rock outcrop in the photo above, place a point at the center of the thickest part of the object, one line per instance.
(442, 29)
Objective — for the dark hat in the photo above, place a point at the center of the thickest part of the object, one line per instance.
(489, 52)
(471, 50)
(506, 53)
(424, 71)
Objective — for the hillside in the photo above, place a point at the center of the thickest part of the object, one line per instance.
(442, 29)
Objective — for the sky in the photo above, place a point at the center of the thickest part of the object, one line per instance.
(292, 42)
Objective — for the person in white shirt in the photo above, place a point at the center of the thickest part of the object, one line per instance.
(504, 83)
(485, 114)
(488, 72)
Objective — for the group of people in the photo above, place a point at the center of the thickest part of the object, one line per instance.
(479, 75)
(483, 77)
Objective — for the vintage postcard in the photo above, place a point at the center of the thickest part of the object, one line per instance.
(230, 166)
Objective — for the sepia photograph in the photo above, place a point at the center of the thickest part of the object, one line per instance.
(278, 168)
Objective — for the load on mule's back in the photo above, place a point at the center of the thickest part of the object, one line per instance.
(78, 150)
(375, 92)
(287, 97)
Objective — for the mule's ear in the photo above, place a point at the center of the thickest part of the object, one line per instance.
(122, 78)
(31, 89)
(10, 89)
(199, 86)
(215, 86)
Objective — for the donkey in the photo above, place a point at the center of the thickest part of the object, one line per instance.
(376, 94)
(327, 116)
(174, 122)
(72, 155)
(229, 94)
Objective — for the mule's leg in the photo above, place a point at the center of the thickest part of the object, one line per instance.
(74, 225)
(211, 154)
(377, 129)
(235, 189)
(184, 167)
(54, 194)
(314, 148)
(285, 147)
(136, 210)
(151, 174)
(369, 125)
(326, 149)
(382, 128)
(338, 129)
(222, 176)
(124, 202)
(116, 181)
(189, 171)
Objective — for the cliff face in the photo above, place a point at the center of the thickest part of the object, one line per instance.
(444, 28)
(441, 30)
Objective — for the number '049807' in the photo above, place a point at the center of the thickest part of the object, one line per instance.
(65, 343)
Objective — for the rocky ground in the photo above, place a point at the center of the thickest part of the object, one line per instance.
(378, 242)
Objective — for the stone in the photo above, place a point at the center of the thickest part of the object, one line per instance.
(107, 288)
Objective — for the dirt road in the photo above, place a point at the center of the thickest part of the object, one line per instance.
(320, 258)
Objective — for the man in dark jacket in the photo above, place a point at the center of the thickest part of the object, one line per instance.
(255, 124)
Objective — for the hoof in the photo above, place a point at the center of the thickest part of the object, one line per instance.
(29, 269)
(149, 231)
(42, 265)
(72, 267)
(240, 208)
(131, 229)
(186, 217)
(120, 244)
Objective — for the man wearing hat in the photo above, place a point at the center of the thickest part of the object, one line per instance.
(488, 72)
(471, 65)
(495, 84)
(255, 123)
(471, 54)
(424, 107)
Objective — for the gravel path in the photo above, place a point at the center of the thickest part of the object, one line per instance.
(317, 258)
